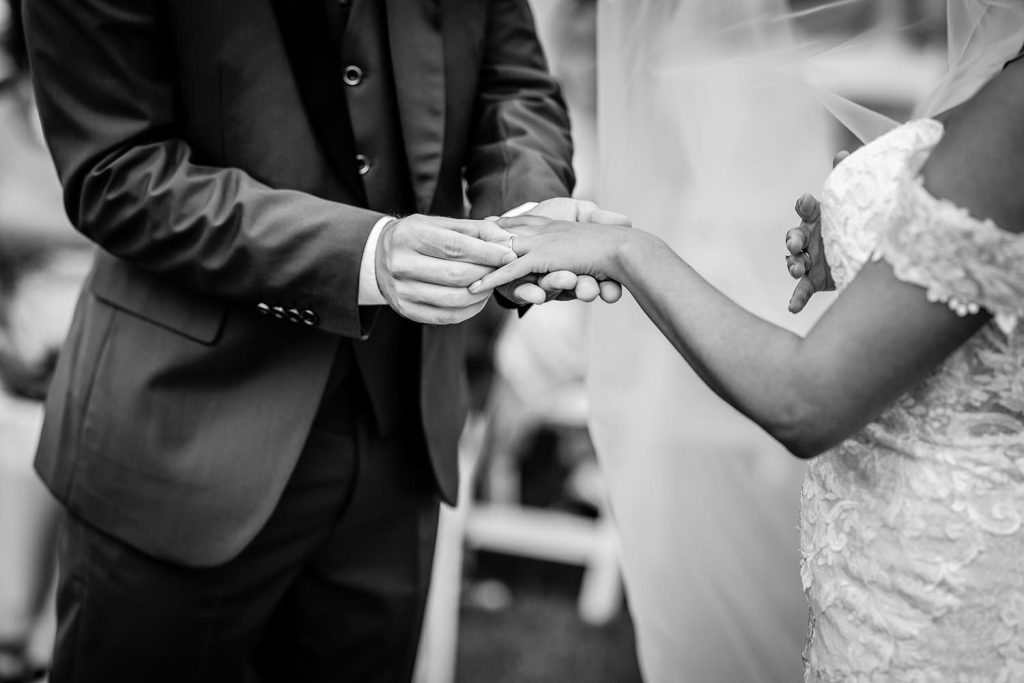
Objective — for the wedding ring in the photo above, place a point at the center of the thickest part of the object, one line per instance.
(512, 244)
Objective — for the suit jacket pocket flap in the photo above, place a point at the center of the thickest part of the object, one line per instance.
(156, 300)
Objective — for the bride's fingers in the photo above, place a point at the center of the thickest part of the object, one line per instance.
(798, 238)
(519, 268)
(611, 291)
(808, 208)
(798, 265)
(801, 295)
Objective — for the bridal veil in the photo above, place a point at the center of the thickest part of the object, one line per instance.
(707, 144)
(708, 134)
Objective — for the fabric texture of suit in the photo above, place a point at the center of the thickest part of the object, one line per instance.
(199, 155)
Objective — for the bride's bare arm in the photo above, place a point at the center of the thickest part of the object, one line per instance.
(879, 338)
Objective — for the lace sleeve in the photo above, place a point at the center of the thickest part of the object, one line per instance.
(965, 262)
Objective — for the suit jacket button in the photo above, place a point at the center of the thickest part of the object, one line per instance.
(263, 308)
(309, 317)
(362, 164)
(352, 75)
(294, 316)
(279, 312)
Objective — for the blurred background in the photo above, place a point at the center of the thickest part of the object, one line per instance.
(528, 577)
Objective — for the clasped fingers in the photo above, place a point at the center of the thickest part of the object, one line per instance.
(437, 296)
(477, 242)
(417, 267)
(434, 304)
(424, 265)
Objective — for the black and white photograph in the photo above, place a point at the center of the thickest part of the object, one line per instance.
(511, 341)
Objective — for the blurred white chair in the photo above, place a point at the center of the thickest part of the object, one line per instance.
(500, 523)
(28, 515)
(539, 384)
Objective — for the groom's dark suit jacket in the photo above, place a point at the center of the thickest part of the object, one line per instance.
(230, 157)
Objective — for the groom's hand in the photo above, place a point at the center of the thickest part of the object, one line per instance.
(564, 285)
(425, 263)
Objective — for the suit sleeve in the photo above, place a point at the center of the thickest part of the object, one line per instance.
(522, 148)
(105, 85)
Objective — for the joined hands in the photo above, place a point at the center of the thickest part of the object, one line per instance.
(563, 285)
(558, 251)
(425, 264)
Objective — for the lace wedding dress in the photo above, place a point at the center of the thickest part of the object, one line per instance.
(912, 544)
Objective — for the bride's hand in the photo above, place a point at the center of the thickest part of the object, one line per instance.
(806, 259)
(546, 246)
(585, 288)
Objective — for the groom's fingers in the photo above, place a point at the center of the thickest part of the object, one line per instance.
(486, 230)
(523, 221)
(556, 282)
(606, 217)
(455, 246)
(519, 268)
(529, 293)
(419, 268)
(441, 315)
(523, 291)
(438, 296)
(610, 290)
(587, 288)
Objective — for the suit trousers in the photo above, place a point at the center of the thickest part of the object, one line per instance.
(333, 588)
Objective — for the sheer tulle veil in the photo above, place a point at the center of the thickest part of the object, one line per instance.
(708, 134)
(708, 144)
(983, 35)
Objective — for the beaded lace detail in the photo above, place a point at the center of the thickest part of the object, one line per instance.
(911, 531)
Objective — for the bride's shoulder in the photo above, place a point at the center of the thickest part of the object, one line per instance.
(861, 193)
(875, 167)
(959, 219)
(978, 163)
(911, 137)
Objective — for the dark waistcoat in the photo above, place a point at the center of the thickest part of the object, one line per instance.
(374, 164)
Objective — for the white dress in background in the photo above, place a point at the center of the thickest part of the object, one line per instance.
(911, 531)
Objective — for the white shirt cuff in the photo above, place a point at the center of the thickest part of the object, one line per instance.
(520, 210)
(369, 290)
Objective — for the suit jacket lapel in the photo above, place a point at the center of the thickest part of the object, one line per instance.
(417, 57)
(307, 38)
